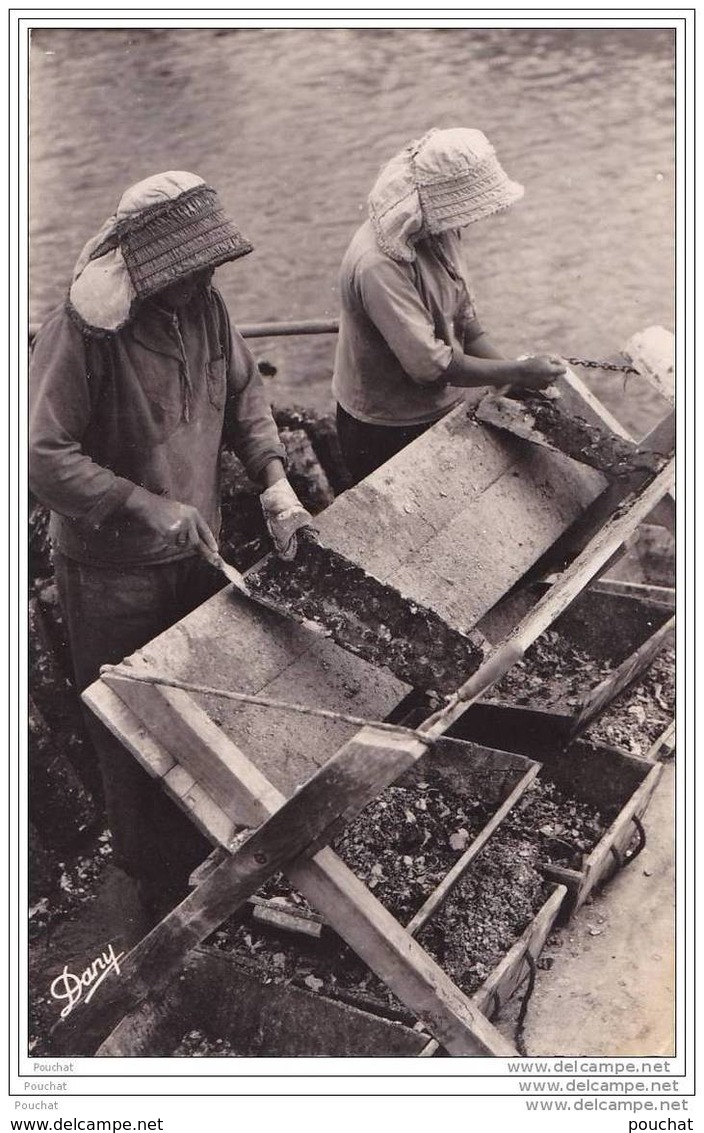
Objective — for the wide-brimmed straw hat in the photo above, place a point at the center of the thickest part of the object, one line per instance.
(165, 228)
(447, 179)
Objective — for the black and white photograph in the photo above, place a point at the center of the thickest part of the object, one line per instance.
(351, 397)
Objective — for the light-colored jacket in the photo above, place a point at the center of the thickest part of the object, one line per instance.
(399, 324)
(144, 406)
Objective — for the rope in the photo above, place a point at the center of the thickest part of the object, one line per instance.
(265, 702)
(623, 860)
(520, 1021)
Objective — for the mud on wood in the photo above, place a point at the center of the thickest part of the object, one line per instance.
(369, 618)
(585, 441)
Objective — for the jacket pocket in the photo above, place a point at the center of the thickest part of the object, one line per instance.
(217, 382)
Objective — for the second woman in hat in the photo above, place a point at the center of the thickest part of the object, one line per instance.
(409, 338)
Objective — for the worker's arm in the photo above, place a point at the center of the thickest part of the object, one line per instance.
(62, 390)
(397, 310)
(249, 428)
(470, 370)
(251, 431)
(479, 344)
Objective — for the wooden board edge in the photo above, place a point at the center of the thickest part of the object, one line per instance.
(602, 862)
(599, 697)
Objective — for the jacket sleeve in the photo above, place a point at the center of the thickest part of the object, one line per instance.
(392, 302)
(61, 474)
(250, 429)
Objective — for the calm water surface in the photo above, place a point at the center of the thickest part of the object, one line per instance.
(292, 126)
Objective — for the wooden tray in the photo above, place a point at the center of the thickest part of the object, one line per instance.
(603, 776)
(606, 778)
(627, 632)
(214, 995)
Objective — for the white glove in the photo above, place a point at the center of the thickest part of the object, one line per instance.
(284, 515)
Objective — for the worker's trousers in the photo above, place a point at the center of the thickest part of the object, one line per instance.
(366, 447)
(109, 614)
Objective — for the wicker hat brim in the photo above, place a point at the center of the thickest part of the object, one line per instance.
(461, 200)
(176, 240)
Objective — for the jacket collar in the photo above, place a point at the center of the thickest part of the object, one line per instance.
(153, 327)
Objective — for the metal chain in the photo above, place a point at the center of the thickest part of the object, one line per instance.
(589, 364)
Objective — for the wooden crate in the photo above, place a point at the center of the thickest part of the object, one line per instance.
(622, 630)
(607, 778)
(215, 995)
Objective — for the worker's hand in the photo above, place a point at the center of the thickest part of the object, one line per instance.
(537, 371)
(177, 523)
(284, 515)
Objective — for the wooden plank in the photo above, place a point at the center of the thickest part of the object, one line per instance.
(358, 917)
(579, 399)
(215, 858)
(610, 627)
(455, 874)
(663, 595)
(512, 969)
(664, 746)
(286, 916)
(652, 353)
(602, 695)
(210, 818)
(573, 542)
(129, 729)
(203, 750)
(241, 647)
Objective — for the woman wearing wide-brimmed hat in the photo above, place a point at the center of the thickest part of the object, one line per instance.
(409, 337)
(133, 381)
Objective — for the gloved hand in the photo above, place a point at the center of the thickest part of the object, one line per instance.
(284, 515)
